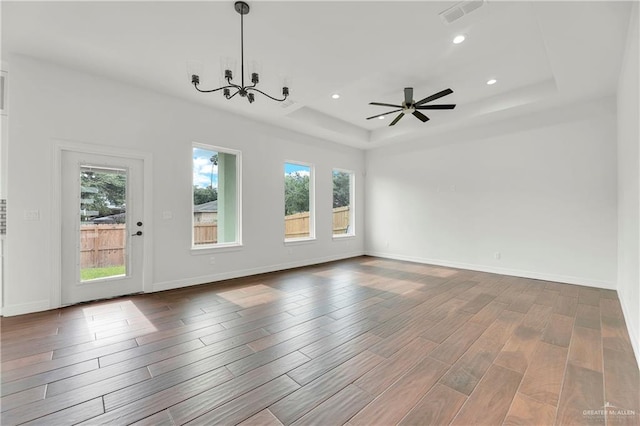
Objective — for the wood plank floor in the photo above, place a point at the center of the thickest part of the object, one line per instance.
(364, 341)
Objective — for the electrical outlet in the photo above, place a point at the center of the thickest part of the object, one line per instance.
(497, 255)
(31, 215)
(212, 260)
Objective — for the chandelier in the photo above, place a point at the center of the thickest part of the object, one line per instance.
(245, 91)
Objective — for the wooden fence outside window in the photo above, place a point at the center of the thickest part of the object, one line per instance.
(104, 245)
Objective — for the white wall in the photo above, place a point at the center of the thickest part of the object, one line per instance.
(4, 137)
(629, 185)
(51, 103)
(539, 189)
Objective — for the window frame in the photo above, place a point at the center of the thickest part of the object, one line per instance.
(312, 203)
(205, 248)
(352, 204)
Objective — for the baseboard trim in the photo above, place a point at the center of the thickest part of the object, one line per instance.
(26, 308)
(632, 330)
(587, 282)
(204, 279)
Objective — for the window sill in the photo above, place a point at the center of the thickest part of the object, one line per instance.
(296, 241)
(338, 237)
(196, 251)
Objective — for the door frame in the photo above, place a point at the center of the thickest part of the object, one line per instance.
(56, 214)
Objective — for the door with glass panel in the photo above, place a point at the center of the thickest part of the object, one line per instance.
(102, 228)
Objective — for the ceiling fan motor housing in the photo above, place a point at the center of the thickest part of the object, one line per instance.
(410, 106)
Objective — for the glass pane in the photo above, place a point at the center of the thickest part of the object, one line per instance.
(296, 200)
(215, 193)
(341, 203)
(103, 226)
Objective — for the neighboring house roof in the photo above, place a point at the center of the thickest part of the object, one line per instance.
(114, 218)
(89, 190)
(210, 207)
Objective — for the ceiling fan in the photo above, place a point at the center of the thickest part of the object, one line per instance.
(409, 106)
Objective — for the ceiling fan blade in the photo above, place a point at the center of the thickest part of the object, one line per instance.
(435, 96)
(382, 104)
(380, 115)
(421, 116)
(408, 95)
(395, 120)
(445, 106)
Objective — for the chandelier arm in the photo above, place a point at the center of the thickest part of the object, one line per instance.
(267, 95)
(215, 90)
(237, 91)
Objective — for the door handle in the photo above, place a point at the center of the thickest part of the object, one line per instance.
(137, 234)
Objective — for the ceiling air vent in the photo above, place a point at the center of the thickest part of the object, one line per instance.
(458, 10)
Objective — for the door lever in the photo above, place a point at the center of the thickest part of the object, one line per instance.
(137, 234)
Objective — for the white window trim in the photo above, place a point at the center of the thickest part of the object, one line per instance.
(312, 202)
(352, 204)
(297, 241)
(208, 248)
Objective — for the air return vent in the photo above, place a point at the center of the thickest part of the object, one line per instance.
(458, 10)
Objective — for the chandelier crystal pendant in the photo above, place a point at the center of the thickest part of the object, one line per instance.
(245, 91)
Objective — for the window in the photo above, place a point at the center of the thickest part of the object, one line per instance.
(103, 222)
(298, 201)
(343, 184)
(216, 196)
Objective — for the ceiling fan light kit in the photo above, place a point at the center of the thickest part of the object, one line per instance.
(409, 106)
(245, 91)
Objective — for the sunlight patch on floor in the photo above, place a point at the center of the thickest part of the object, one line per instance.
(111, 318)
(388, 284)
(248, 297)
(416, 268)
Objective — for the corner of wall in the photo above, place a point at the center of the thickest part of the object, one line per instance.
(628, 140)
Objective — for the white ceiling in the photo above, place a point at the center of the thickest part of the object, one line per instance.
(543, 54)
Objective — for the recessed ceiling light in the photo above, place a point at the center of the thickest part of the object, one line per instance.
(492, 81)
(335, 96)
(458, 39)
(381, 117)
